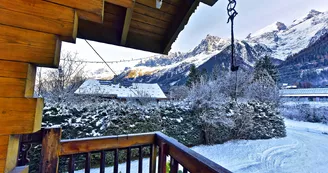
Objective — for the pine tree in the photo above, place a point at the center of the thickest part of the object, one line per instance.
(216, 72)
(194, 76)
(267, 65)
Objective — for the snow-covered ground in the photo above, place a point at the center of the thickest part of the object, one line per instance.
(304, 150)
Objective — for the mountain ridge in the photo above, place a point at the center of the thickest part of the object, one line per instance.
(277, 41)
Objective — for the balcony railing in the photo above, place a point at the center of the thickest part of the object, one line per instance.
(157, 145)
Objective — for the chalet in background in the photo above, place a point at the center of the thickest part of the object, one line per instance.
(304, 94)
(121, 91)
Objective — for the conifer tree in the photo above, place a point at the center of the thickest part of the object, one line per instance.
(265, 64)
(194, 76)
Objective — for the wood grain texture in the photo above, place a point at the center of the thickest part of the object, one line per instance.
(12, 153)
(122, 3)
(16, 79)
(85, 145)
(23, 86)
(150, 20)
(91, 6)
(20, 115)
(23, 45)
(188, 158)
(126, 26)
(39, 16)
(153, 12)
(49, 155)
(89, 16)
(166, 7)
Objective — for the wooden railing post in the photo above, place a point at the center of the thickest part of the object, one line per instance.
(163, 150)
(152, 159)
(49, 153)
(174, 165)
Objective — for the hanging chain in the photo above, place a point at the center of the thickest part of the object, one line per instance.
(232, 13)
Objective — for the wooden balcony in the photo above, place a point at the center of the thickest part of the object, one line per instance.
(158, 147)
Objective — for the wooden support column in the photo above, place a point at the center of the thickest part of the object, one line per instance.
(50, 147)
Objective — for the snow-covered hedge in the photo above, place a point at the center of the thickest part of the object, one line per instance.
(305, 112)
(190, 125)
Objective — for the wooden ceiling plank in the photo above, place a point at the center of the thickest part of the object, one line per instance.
(150, 20)
(122, 3)
(39, 16)
(180, 22)
(91, 6)
(23, 45)
(148, 28)
(166, 7)
(151, 12)
(126, 26)
(146, 33)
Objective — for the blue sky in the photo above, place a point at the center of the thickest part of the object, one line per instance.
(253, 15)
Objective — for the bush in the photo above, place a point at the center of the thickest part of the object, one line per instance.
(305, 112)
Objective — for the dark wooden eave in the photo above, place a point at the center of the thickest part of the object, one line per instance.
(138, 24)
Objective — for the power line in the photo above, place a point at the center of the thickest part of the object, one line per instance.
(108, 62)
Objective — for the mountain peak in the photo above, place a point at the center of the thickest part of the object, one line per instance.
(314, 12)
(274, 27)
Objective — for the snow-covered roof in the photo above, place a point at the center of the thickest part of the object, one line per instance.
(304, 92)
(108, 88)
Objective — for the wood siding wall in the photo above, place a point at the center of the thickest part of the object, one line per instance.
(31, 32)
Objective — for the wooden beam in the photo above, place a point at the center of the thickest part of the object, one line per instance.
(19, 85)
(4, 141)
(179, 23)
(12, 153)
(8, 152)
(92, 10)
(122, 3)
(23, 45)
(39, 16)
(20, 115)
(91, 6)
(126, 26)
(89, 16)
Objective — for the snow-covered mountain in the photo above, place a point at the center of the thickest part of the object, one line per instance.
(288, 40)
(277, 40)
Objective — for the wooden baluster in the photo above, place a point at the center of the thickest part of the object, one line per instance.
(102, 161)
(185, 170)
(71, 166)
(140, 159)
(162, 158)
(116, 161)
(128, 160)
(152, 158)
(87, 162)
(49, 153)
(174, 165)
